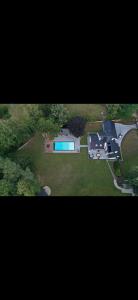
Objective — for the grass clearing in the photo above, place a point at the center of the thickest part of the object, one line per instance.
(70, 174)
(90, 111)
(130, 150)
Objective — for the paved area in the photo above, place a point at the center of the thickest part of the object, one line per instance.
(84, 146)
(122, 130)
(66, 137)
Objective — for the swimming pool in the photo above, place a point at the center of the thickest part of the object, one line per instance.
(64, 146)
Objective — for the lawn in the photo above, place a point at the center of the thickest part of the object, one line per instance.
(70, 174)
(130, 150)
(90, 111)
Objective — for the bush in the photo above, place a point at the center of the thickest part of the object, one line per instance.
(4, 112)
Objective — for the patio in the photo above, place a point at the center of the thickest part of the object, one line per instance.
(63, 136)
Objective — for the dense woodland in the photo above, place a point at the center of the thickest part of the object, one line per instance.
(16, 177)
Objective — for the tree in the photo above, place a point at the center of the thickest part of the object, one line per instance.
(6, 188)
(27, 188)
(8, 137)
(60, 114)
(4, 112)
(121, 110)
(77, 126)
(113, 110)
(24, 161)
(45, 109)
(27, 174)
(57, 112)
(11, 170)
(11, 174)
(13, 134)
(48, 127)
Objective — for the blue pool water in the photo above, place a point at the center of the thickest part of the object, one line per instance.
(64, 146)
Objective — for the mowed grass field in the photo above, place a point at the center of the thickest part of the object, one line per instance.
(90, 111)
(130, 150)
(70, 174)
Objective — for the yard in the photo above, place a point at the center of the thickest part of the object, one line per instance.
(18, 111)
(75, 174)
(70, 174)
(90, 111)
(130, 151)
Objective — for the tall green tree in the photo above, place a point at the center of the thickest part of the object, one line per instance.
(60, 114)
(27, 188)
(8, 136)
(48, 127)
(6, 188)
(11, 170)
(57, 112)
(11, 174)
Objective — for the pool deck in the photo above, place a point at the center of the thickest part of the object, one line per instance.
(63, 138)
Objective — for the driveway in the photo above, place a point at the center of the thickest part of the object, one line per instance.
(123, 130)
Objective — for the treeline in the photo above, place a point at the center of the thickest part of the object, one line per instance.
(45, 118)
(14, 180)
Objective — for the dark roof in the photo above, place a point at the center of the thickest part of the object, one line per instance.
(42, 193)
(109, 129)
(114, 147)
(95, 142)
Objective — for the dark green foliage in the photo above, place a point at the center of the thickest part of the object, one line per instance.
(14, 178)
(27, 188)
(11, 170)
(133, 176)
(6, 188)
(8, 136)
(48, 126)
(121, 110)
(57, 112)
(116, 110)
(77, 126)
(13, 135)
(4, 112)
(24, 161)
(45, 109)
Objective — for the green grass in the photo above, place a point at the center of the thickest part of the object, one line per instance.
(130, 151)
(90, 111)
(90, 127)
(70, 174)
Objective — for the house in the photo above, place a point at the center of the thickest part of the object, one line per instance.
(104, 144)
